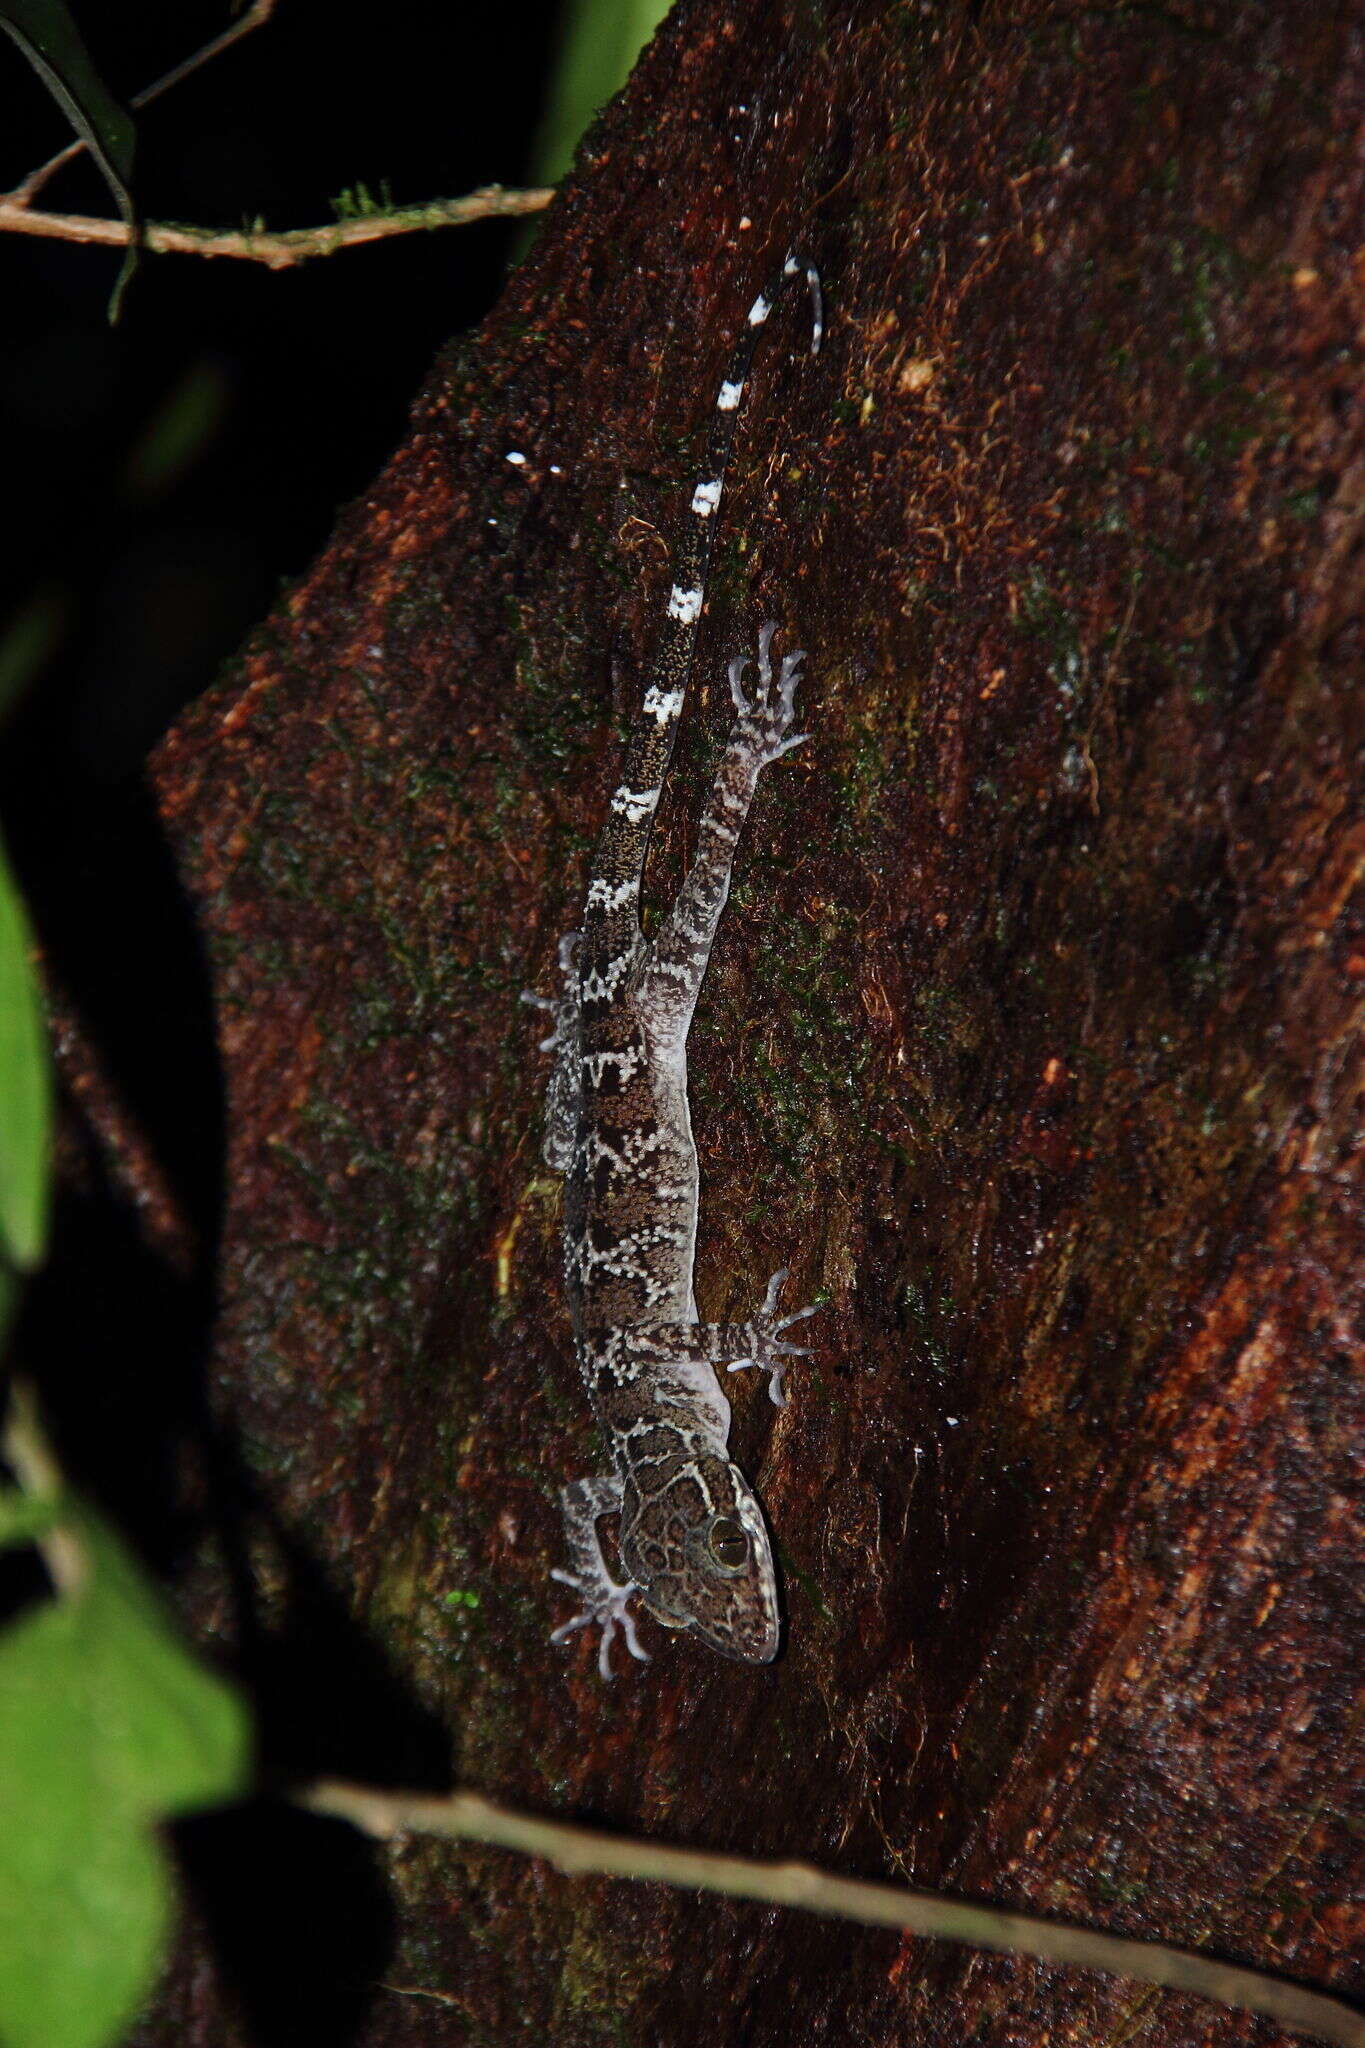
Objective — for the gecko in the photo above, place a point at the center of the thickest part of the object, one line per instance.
(693, 1542)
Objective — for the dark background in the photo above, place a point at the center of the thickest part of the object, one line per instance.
(165, 478)
(299, 381)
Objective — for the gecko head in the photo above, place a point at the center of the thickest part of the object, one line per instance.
(695, 1543)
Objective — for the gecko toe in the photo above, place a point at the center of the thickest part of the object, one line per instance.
(775, 1286)
(798, 1315)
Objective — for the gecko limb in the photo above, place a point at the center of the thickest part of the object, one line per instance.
(604, 1600)
(675, 963)
(759, 1342)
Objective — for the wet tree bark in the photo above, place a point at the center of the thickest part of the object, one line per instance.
(1031, 1038)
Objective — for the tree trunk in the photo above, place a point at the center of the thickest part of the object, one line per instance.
(1031, 1037)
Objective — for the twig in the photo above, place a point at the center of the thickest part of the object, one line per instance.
(27, 1452)
(278, 251)
(126, 1152)
(255, 17)
(463, 1815)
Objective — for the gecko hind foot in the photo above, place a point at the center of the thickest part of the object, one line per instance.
(772, 1352)
(606, 1607)
(767, 719)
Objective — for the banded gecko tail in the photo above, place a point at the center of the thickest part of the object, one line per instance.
(611, 923)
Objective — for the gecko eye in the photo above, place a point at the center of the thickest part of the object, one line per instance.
(728, 1543)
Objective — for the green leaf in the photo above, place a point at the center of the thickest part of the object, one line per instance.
(49, 38)
(10, 1290)
(29, 638)
(83, 1890)
(600, 41)
(22, 1517)
(25, 1090)
(178, 432)
(172, 1736)
(107, 1723)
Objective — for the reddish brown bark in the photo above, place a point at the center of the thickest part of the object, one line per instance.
(1032, 1036)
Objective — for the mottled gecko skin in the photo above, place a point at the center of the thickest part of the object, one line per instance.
(692, 1536)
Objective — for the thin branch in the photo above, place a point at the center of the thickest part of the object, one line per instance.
(278, 251)
(285, 249)
(125, 1150)
(465, 1816)
(255, 17)
(27, 1452)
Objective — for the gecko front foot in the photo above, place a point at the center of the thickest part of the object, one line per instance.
(605, 1605)
(563, 1007)
(771, 1351)
(767, 721)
